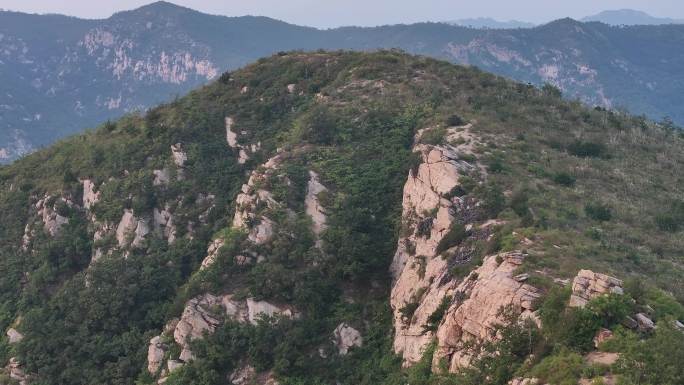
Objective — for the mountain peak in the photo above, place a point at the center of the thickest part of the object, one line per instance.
(158, 8)
(630, 17)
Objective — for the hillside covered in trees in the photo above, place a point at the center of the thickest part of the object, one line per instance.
(350, 218)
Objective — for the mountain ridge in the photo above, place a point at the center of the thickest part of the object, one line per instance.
(69, 74)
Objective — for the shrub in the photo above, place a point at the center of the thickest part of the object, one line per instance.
(598, 212)
(587, 149)
(454, 121)
(457, 234)
(564, 179)
(434, 136)
(561, 368)
(435, 318)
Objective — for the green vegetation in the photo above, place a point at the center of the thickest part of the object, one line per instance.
(91, 323)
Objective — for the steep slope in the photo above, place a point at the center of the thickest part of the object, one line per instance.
(68, 74)
(333, 217)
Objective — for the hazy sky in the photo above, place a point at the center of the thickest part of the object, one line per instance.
(331, 13)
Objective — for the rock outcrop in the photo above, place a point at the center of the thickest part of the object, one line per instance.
(421, 277)
(312, 204)
(14, 336)
(588, 285)
(203, 314)
(179, 155)
(232, 140)
(487, 291)
(90, 196)
(346, 337)
(131, 230)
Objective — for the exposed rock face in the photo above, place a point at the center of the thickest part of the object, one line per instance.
(418, 272)
(258, 309)
(231, 136)
(14, 335)
(602, 336)
(246, 216)
(523, 381)
(199, 316)
(588, 285)
(179, 156)
(163, 224)
(161, 177)
(243, 376)
(203, 314)
(345, 337)
(155, 354)
(90, 197)
(313, 206)
(212, 253)
(475, 317)
(16, 372)
(52, 221)
(131, 226)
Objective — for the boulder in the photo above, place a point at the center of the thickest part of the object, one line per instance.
(14, 336)
(644, 323)
(16, 372)
(345, 337)
(588, 285)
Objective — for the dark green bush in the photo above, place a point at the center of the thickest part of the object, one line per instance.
(587, 149)
(564, 179)
(598, 212)
(456, 234)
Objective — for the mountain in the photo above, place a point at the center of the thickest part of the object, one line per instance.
(351, 218)
(488, 22)
(630, 17)
(61, 74)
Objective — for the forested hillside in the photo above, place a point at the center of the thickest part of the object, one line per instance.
(350, 218)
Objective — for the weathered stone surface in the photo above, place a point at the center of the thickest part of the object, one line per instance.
(421, 276)
(14, 335)
(523, 381)
(163, 223)
(476, 317)
(155, 354)
(645, 323)
(161, 177)
(602, 336)
(131, 227)
(231, 136)
(588, 285)
(345, 337)
(312, 204)
(212, 253)
(179, 156)
(16, 372)
(90, 197)
(199, 316)
(243, 376)
(46, 209)
(258, 309)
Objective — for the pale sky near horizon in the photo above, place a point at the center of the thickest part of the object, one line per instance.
(333, 13)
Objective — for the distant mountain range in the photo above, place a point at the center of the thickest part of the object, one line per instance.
(488, 22)
(61, 74)
(630, 17)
